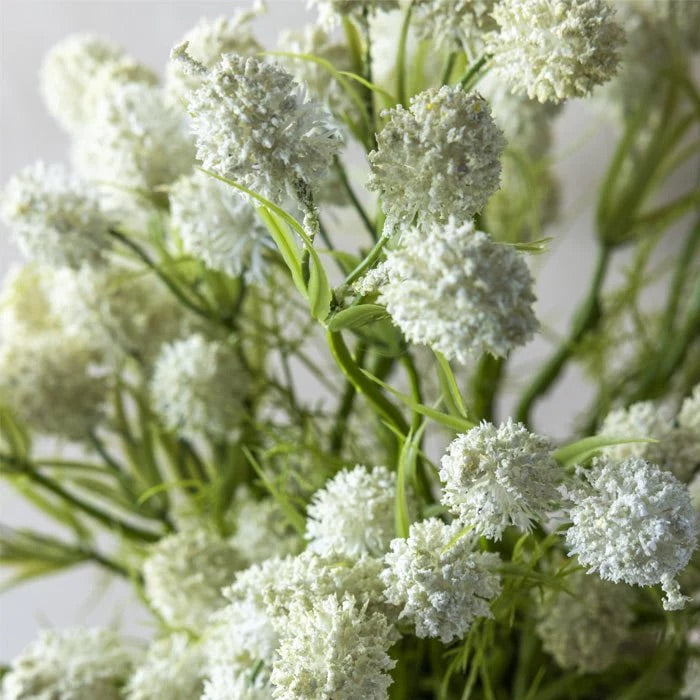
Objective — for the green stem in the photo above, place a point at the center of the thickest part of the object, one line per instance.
(449, 66)
(353, 198)
(414, 383)
(401, 91)
(347, 401)
(485, 383)
(368, 261)
(466, 80)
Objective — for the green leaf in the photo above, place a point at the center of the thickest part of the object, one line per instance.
(406, 471)
(356, 317)
(319, 291)
(455, 404)
(388, 97)
(167, 486)
(581, 450)
(286, 245)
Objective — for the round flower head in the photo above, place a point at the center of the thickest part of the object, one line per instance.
(452, 21)
(353, 513)
(134, 140)
(458, 291)
(334, 650)
(635, 523)
(218, 226)
(47, 379)
(24, 305)
(70, 664)
(207, 42)
(330, 11)
(440, 584)
(494, 477)
(171, 670)
(440, 157)
(183, 576)
(555, 49)
(54, 217)
(582, 627)
(253, 124)
(198, 388)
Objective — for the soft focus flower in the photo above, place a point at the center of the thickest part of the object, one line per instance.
(440, 584)
(555, 49)
(691, 680)
(353, 513)
(458, 291)
(198, 388)
(583, 626)
(635, 523)
(254, 124)
(440, 157)
(70, 664)
(171, 670)
(25, 307)
(335, 650)
(224, 684)
(218, 225)
(330, 11)
(494, 477)
(183, 576)
(452, 21)
(54, 217)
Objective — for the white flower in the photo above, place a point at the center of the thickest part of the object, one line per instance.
(635, 523)
(330, 11)
(440, 157)
(336, 650)
(198, 387)
(583, 626)
(458, 291)
(54, 217)
(452, 21)
(218, 226)
(70, 664)
(171, 670)
(224, 684)
(48, 380)
(494, 477)
(24, 304)
(440, 584)
(207, 42)
(135, 141)
(184, 574)
(555, 49)
(253, 124)
(353, 513)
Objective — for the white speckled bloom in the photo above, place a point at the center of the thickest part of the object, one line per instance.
(70, 664)
(458, 291)
(440, 584)
(635, 523)
(555, 49)
(54, 217)
(438, 158)
(494, 477)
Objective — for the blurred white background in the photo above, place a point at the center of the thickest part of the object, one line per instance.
(147, 29)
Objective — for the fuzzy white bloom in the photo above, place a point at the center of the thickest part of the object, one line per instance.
(494, 477)
(219, 226)
(70, 664)
(49, 380)
(336, 650)
(555, 49)
(207, 42)
(224, 684)
(198, 387)
(54, 217)
(184, 574)
(262, 530)
(458, 291)
(135, 141)
(583, 626)
(635, 523)
(25, 307)
(254, 124)
(440, 157)
(171, 670)
(440, 584)
(330, 11)
(678, 449)
(689, 415)
(452, 21)
(353, 513)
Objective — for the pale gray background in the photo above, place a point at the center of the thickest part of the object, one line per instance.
(148, 29)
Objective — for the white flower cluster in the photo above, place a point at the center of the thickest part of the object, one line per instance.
(183, 576)
(583, 626)
(73, 664)
(458, 291)
(253, 124)
(54, 217)
(217, 225)
(24, 304)
(635, 523)
(494, 477)
(198, 388)
(441, 157)
(330, 11)
(555, 49)
(452, 21)
(439, 583)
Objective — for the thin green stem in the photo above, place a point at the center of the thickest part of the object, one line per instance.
(368, 261)
(347, 401)
(401, 90)
(485, 384)
(449, 66)
(466, 80)
(344, 180)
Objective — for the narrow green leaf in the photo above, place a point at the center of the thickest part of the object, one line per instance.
(406, 472)
(449, 386)
(167, 486)
(581, 450)
(319, 291)
(356, 317)
(390, 99)
(287, 247)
